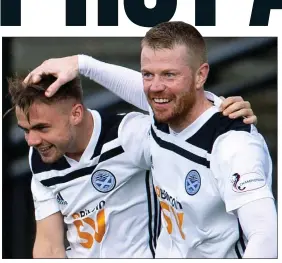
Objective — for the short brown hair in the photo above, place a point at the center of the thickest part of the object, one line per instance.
(168, 34)
(24, 95)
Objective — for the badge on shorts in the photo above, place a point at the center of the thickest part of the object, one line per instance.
(103, 181)
(192, 182)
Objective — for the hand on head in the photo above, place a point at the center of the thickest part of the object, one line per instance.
(64, 69)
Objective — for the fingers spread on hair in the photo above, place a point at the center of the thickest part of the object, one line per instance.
(36, 78)
(27, 78)
(52, 89)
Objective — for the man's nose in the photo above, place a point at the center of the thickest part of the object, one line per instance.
(157, 85)
(33, 138)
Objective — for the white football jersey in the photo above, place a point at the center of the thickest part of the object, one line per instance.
(201, 175)
(107, 198)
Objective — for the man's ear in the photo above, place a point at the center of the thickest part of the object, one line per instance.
(202, 75)
(77, 114)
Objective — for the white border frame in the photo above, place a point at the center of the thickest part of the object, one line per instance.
(232, 20)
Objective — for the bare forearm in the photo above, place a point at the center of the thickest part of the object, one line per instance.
(49, 240)
(48, 250)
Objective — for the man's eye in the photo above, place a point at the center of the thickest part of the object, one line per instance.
(169, 74)
(147, 75)
(42, 129)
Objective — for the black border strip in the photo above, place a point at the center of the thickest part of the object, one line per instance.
(10, 12)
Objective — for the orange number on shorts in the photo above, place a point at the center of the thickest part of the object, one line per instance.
(99, 234)
(178, 218)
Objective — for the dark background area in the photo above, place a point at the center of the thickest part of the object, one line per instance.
(239, 66)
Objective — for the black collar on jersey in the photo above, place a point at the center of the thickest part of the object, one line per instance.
(161, 126)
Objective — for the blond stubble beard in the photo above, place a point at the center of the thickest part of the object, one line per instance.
(180, 111)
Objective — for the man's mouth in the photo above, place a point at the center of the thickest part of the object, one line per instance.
(161, 100)
(44, 149)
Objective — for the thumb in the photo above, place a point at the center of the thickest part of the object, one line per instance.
(54, 87)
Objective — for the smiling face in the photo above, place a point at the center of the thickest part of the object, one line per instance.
(49, 130)
(169, 82)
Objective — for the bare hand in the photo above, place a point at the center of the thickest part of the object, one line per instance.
(64, 69)
(235, 107)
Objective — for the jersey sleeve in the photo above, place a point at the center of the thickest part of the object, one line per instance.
(242, 166)
(124, 82)
(135, 138)
(45, 203)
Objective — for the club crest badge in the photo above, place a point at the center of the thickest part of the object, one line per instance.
(103, 181)
(192, 182)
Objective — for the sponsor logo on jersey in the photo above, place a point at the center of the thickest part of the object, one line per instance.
(192, 182)
(61, 200)
(164, 195)
(90, 226)
(172, 212)
(247, 182)
(103, 181)
(86, 211)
